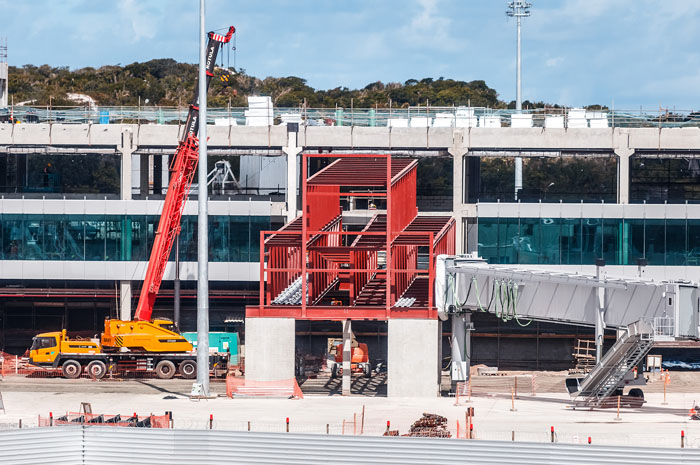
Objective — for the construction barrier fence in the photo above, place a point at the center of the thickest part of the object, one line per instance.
(14, 365)
(515, 386)
(241, 387)
(94, 419)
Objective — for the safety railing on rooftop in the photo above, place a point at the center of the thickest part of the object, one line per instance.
(415, 117)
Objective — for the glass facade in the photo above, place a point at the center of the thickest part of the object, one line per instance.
(579, 241)
(659, 180)
(60, 173)
(123, 237)
(545, 179)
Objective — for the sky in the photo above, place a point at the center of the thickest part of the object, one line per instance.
(626, 53)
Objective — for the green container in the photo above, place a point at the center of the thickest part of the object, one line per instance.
(338, 116)
(220, 342)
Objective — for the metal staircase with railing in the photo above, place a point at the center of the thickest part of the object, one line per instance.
(609, 374)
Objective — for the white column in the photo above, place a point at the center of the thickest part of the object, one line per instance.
(600, 317)
(347, 356)
(412, 358)
(458, 192)
(292, 150)
(459, 368)
(623, 174)
(269, 349)
(126, 148)
(125, 300)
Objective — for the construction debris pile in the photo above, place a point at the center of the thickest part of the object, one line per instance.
(429, 425)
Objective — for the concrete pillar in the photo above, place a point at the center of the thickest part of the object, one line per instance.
(126, 148)
(292, 151)
(269, 349)
(347, 356)
(461, 347)
(600, 316)
(623, 174)
(458, 153)
(125, 300)
(412, 358)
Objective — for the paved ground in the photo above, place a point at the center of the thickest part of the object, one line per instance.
(654, 424)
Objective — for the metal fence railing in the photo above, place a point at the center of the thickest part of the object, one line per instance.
(416, 117)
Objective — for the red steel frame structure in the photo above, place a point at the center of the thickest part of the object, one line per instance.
(339, 271)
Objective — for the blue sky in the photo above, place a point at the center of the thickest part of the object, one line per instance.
(575, 52)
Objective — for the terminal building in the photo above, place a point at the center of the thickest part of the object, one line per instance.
(81, 191)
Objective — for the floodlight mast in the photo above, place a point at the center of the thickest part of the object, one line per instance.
(518, 9)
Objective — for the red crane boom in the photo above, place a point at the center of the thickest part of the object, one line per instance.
(181, 173)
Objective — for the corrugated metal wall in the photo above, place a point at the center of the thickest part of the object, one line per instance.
(41, 446)
(103, 445)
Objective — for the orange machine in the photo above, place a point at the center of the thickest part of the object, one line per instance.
(359, 360)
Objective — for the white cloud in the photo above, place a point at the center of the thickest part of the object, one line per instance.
(429, 29)
(553, 62)
(141, 21)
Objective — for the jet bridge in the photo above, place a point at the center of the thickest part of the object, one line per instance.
(641, 310)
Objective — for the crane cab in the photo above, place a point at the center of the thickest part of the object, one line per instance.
(47, 347)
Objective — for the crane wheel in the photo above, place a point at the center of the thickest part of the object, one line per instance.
(97, 369)
(367, 370)
(165, 369)
(335, 370)
(71, 369)
(187, 369)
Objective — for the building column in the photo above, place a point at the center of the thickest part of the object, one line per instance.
(412, 358)
(600, 314)
(347, 357)
(126, 148)
(269, 349)
(292, 150)
(125, 300)
(623, 174)
(458, 152)
(461, 347)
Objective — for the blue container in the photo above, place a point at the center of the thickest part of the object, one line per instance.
(220, 342)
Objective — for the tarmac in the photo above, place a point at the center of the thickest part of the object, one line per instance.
(654, 424)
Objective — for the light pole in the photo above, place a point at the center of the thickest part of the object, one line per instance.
(518, 9)
(546, 189)
(202, 221)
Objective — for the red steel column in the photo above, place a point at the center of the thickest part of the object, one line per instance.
(305, 220)
(388, 236)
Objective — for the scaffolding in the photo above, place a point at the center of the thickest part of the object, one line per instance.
(4, 73)
(584, 356)
(316, 268)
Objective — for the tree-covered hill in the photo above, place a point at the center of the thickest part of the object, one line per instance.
(168, 83)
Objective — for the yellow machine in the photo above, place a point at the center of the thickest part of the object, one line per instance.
(124, 345)
(135, 336)
(46, 347)
(158, 335)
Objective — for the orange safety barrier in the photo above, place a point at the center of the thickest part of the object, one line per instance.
(95, 419)
(241, 387)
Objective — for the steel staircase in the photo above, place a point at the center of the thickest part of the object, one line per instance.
(624, 355)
